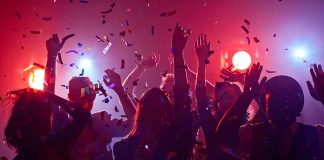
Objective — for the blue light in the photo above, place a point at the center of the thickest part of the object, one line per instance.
(85, 63)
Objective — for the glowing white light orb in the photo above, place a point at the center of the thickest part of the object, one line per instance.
(300, 53)
(241, 60)
(85, 63)
(36, 79)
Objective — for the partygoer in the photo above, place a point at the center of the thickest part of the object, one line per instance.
(92, 142)
(28, 128)
(162, 130)
(281, 137)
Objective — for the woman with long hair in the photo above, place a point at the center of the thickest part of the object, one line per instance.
(29, 125)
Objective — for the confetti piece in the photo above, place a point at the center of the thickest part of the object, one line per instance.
(84, 1)
(72, 51)
(79, 45)
(248, 39)
(274, 35)
(122, 65)
(247, 22)
(122, 33)
(123, 116)
(245, 29)
(286, 49)
(126, 21)
(35, 32)
(65, 86)
(268, 71)
(113, 5)
(82, 54)
(103, 91)
(99, 39)
(171, 13)
(18, 15)
(128, 44)
(24, 36)
(256, 40)
(103, 22)
(163, 14)
(152, 30)
(110, 97)
(106, 100)
(47, 18)
(22, 47)
(82, 72)
(267, 49)
(135, 82)
(60, 58)
(116, 109)
(106, 12)
(106, 49)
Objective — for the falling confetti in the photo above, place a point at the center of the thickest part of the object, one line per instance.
(135, 82)
(256, 40)
(122, 65)
(116, 109)
(106, 100)
(245, 29)
(47, 18)
(269, 71)
(106, 49)
(72, 51)
(82, 72)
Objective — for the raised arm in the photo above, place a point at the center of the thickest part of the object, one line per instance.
(317, 91)
(112, 77)
(234, 117)
(53, 46)
(183, 117)
(149, 62)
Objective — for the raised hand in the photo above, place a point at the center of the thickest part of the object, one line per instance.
(317, 91)
(112, 80)
(252, 86)
(149, 62)
(203, 49)
(179, 39)
(232, 76)
(54, 45)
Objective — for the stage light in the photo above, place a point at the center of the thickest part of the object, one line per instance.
(85, 63)
(300, 53)
(241, 60)
(36, 79)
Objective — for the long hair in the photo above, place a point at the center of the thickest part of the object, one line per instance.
(152, 99)
(29, 119)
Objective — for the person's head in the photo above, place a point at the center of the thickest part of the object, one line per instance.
(166, 85)
(30, 119)
(81, 91)
(154, 112)
(283, 99)
(225, 95)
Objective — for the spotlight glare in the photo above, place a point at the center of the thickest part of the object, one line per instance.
(300, 53)
(85, 63)
(241, 60)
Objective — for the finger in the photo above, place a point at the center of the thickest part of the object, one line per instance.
(188, 32)
(105, 80)
(311, 90)
(313, 74)
(316, 70)
(320, 68)
(223, 77)
(66, 38)
(263, 81)
(205, 39)
(158, 59)
(200, 40)
(196, 44)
